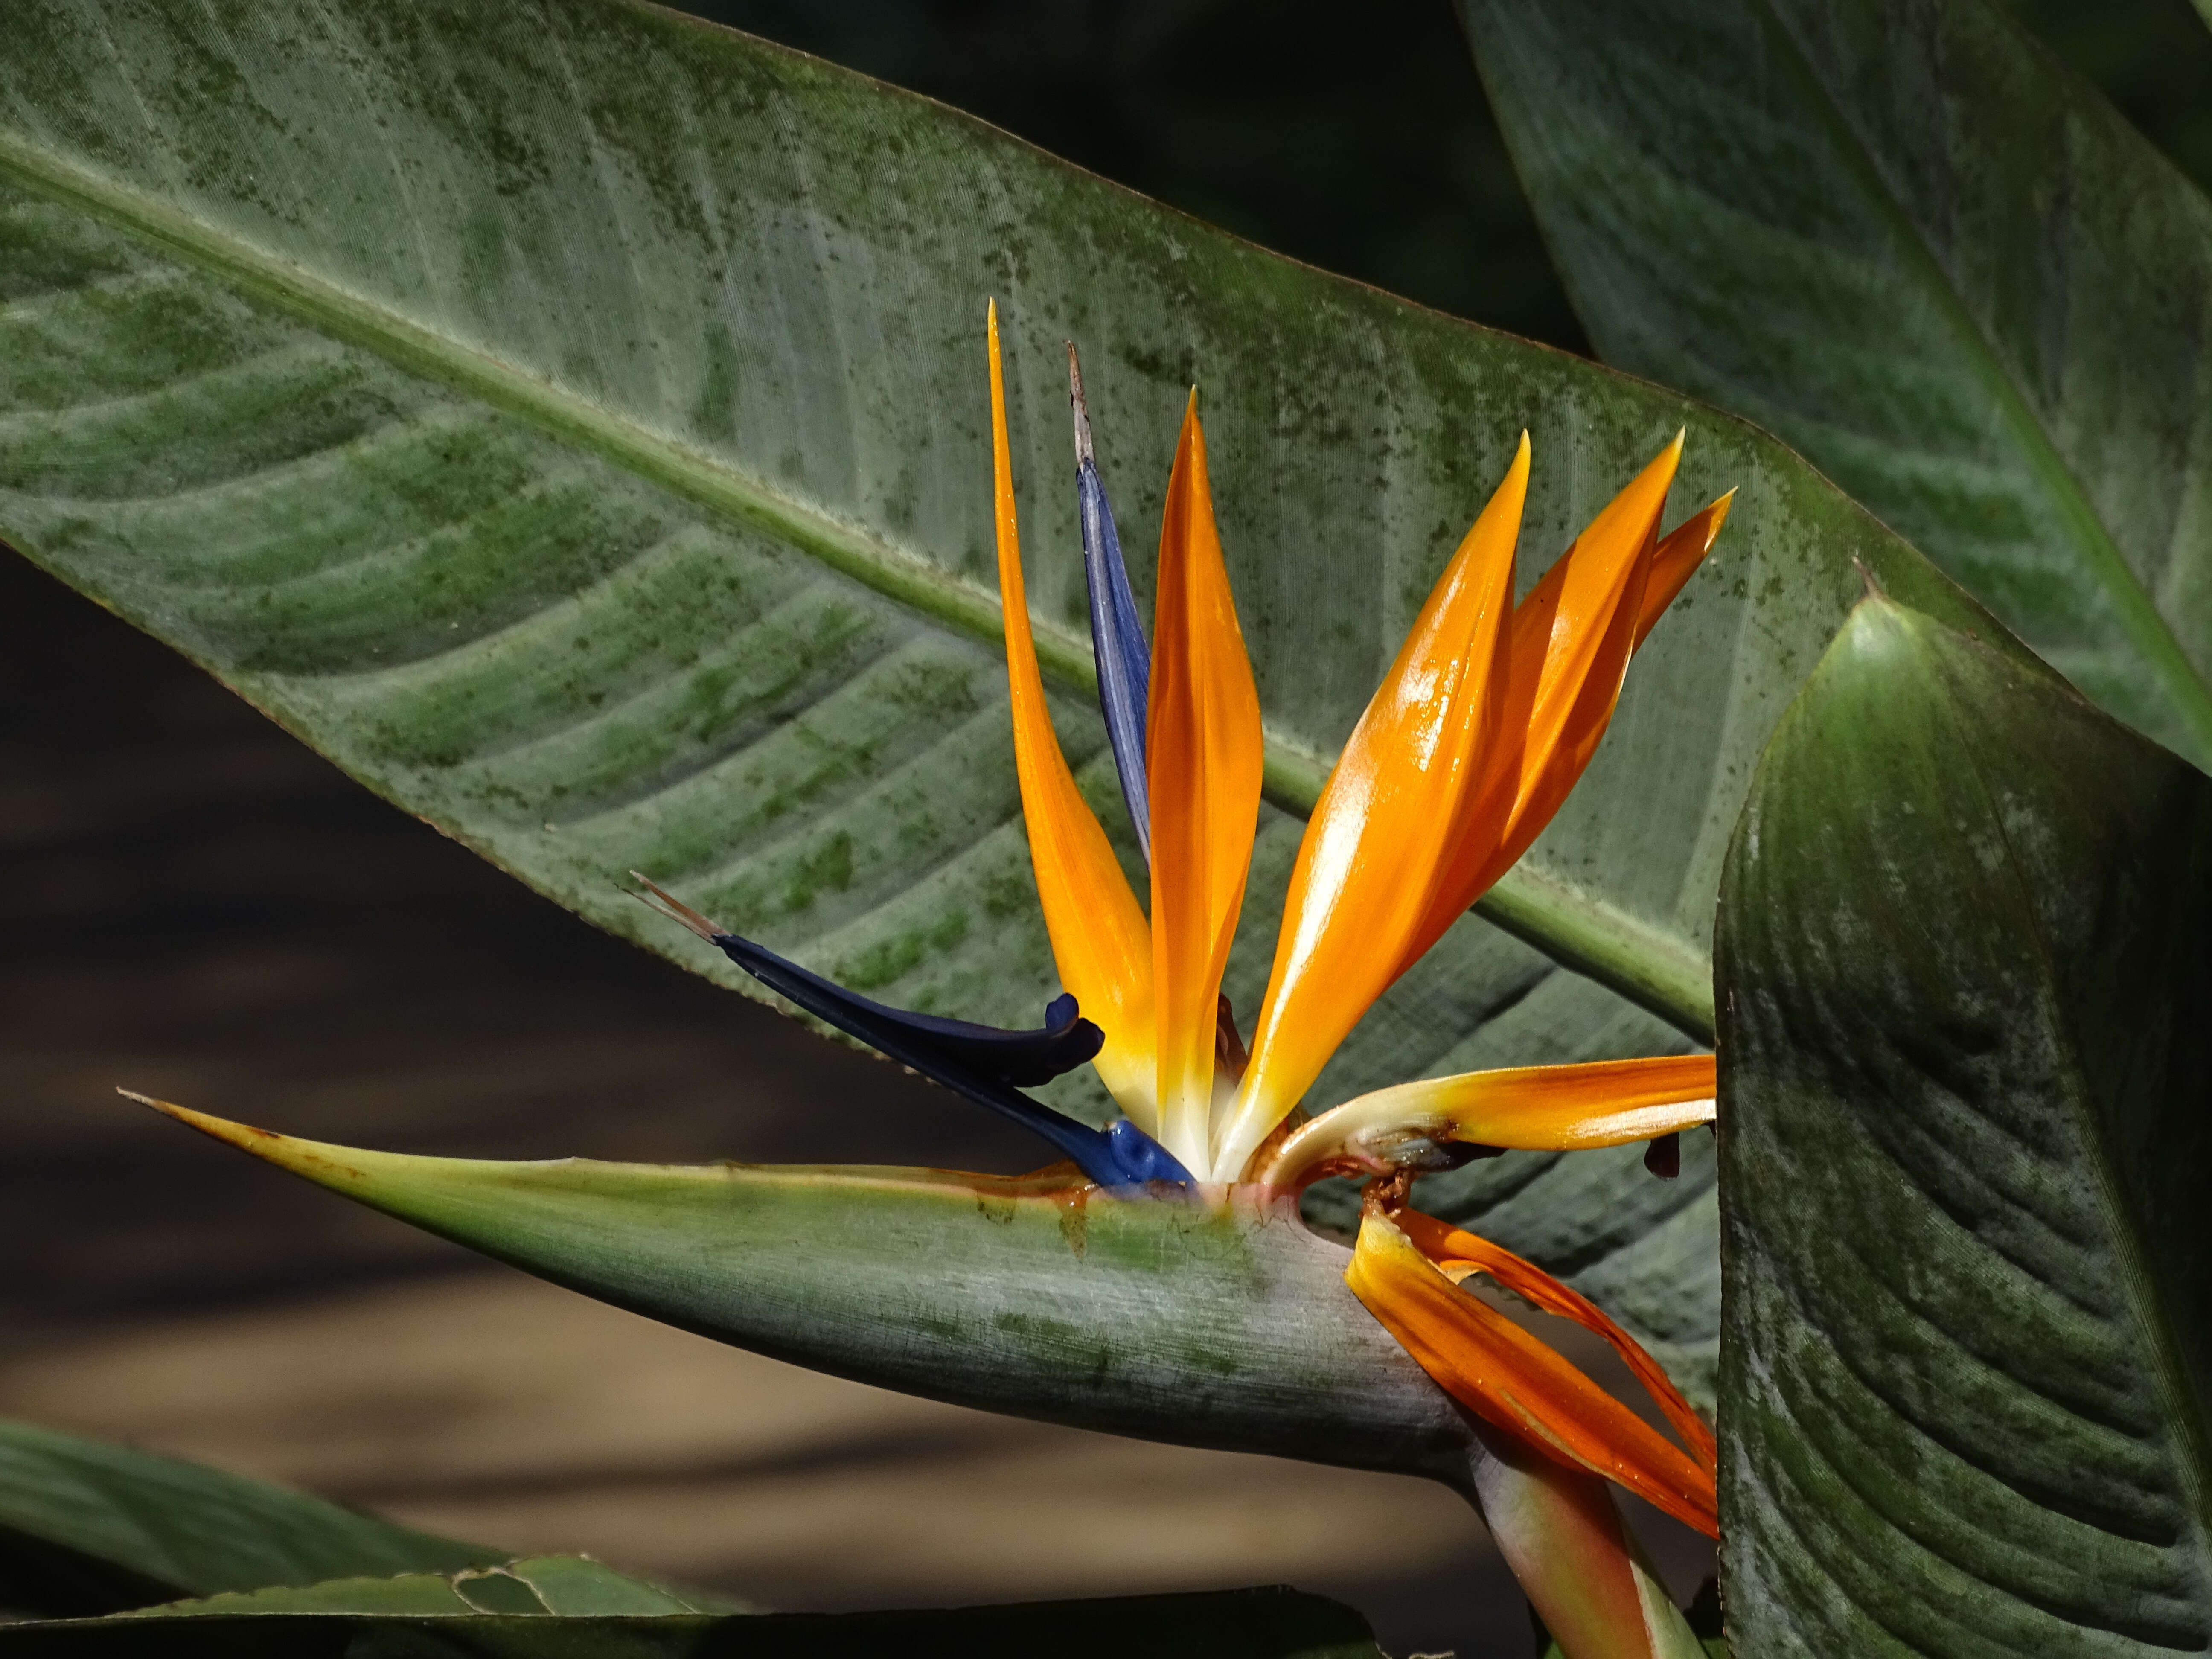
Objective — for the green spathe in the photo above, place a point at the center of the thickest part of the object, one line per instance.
(1212, 1318)
(1967, 1156)
(1214, 1324)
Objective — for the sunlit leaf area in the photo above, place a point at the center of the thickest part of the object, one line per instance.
(1165, 828)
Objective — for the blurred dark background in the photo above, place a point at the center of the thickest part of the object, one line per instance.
(199, 907)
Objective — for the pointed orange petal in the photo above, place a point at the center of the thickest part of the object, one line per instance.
(1204, 758)
(1099, 938)
(1383, 826)
(1676, 559)
(1509, 1378)
(1606, 1102)
(1452, 1248)
(1568, 650)
(1512, 1379)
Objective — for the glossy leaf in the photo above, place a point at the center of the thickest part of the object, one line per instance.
(1899, 234)
(87, 1526)
(1967, 1120)
(364, 1620)
(549, 413)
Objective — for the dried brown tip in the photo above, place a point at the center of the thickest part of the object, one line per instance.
(659, 900)
(236, 1135)
(1083, 451)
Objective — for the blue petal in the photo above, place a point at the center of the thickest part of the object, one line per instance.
(985, 1051)
(1142, 1159)
(1117, 639)
(980, 1062)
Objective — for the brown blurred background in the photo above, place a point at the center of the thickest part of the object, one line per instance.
(197, 907)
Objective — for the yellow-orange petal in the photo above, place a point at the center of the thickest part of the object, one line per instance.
(1510, 1379)
(1099, 938)
(1676, 559)
(1457, 1253)
(1203, 764)
(1383, 826)
(1568, 649)
(1606, 1102)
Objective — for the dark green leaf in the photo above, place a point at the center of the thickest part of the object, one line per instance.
(1899, 234)
(570, 418)
(568, 1586)
(87, 1526)
(1255, 1624)
(1966, 1164)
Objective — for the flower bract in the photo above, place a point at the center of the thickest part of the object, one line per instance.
(1488, 716)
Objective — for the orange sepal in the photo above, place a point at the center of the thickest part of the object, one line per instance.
(1512, 1380)
(1604, 1102)
(1382, 826)
(1100, 941)
(1203, 764)
(1568, 650)
(1676, 559)
(1451, 1247)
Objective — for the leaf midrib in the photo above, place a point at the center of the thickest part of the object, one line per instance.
(2137, 612)
(1580, 932)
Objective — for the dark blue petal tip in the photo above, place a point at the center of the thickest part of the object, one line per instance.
(983, 1063)
(1142, 1159)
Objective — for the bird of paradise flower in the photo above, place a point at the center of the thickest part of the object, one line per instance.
(1484, 723)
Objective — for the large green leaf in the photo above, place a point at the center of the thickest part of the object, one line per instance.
(1967, 1157)
(1898, 233)
(569, 417)
(440, 1618)
(89, 1528)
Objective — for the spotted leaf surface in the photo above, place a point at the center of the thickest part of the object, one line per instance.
(572, 419)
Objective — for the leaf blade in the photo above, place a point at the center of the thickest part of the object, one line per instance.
(1901, 237)
(90, 1528)
(1275, 1622)
(603, 478)
(1962, 1136)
